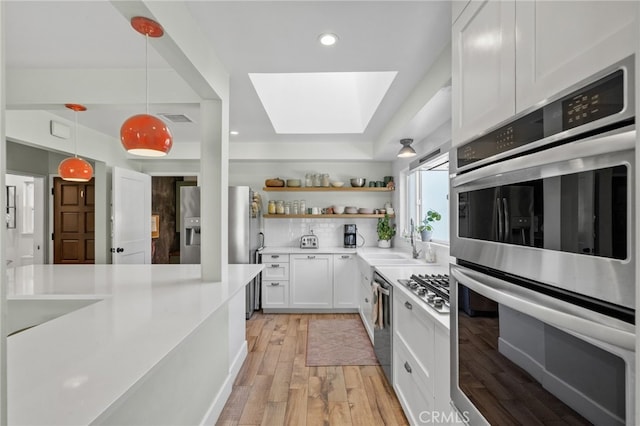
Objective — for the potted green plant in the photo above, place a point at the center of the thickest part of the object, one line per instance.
(385, 232)
(426, 228)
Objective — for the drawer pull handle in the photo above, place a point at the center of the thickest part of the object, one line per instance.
(366, 300)
(311, 257)
(275, 265)
(275, 256)
(345, 256)
(275, 284)
(407, 367)
(408, 305)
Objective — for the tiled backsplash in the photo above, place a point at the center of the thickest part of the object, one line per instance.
(330, 232)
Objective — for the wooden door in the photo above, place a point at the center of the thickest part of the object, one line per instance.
(74, 223)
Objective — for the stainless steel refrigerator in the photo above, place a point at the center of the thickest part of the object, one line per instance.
(190, 224)
(245, 239)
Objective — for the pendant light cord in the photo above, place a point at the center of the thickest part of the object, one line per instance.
(75, 139)
(146, 70)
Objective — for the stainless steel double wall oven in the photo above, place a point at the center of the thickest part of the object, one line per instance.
(543, 233)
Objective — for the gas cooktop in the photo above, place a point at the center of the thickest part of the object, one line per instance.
(432, 289)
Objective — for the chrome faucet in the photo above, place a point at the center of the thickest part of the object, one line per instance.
(415, 253)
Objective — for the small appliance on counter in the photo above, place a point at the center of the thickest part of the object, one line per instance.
(350, 235)
(309, 241)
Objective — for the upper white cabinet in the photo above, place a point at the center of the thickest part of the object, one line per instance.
(311, 281)
(510, 55)
(345, 281)
(559, 43)
(483, 68)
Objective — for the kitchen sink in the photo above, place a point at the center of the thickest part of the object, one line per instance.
(384, 256)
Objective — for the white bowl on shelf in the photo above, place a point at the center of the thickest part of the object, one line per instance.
(338, 209)
(337, 184)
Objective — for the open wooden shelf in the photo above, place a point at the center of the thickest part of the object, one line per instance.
(330, 216)
(325, 189)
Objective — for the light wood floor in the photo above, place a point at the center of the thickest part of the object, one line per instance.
(274, 387)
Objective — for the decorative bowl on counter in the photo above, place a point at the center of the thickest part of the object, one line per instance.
(337, 184)
(351, 210)
(338, 209)
(364, 210)
(358, 182)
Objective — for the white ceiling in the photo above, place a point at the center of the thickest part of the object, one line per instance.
(248, 37)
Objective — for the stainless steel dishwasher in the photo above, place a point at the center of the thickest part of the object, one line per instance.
(382, 327)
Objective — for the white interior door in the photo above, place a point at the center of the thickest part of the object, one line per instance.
(131, 217)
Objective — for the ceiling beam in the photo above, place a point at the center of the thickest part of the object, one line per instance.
(184, 45)
(37, 88)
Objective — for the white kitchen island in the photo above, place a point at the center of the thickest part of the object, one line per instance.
(150, 346)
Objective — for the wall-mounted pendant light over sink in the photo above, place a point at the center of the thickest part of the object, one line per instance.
(145, 134)
(406, 151)
(75, 169)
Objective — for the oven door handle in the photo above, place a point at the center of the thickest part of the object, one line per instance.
(592, 326)
(500, 220)
(507, 227)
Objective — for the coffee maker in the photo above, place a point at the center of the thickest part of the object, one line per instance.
(350, 235)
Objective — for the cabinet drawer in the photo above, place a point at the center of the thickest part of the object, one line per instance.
(276, 271)
(411, 386)
(275, 258)
(415, 328)
(275, 294)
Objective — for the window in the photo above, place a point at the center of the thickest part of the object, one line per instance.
(428, 189)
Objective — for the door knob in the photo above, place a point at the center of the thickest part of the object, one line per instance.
(117, 250)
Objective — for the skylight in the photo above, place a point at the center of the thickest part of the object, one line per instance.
(321, 103)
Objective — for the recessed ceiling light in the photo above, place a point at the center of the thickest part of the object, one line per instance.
(234, 133)
(328, 39)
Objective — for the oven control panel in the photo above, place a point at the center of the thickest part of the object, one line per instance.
(609, 97)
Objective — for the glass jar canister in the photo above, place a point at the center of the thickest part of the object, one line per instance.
(271, 208)
(287, 208)
(303, 207)
(317, 180)
(295, 209)
(325, 180)
(308, 179)
(279, 207)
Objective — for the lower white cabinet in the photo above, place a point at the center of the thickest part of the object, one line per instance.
(421, 363)
(365, 296)
(345, 281)
(312, 281)
(275, 294)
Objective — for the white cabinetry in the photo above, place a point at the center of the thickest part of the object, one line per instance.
(312, 281)
(275, 281)
(365, 296)
(483, 67)
(420, 363)
(560, 43)
(510, 55)
(345, 281)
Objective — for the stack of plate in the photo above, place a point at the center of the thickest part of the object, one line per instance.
(363, 210)
(351, 210)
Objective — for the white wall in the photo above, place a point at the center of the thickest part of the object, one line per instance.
(287, 232)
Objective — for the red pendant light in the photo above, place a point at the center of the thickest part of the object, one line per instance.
(145, 134)
(75, 169)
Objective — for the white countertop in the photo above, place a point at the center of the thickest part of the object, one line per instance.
(298, 250)
(69, 370)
